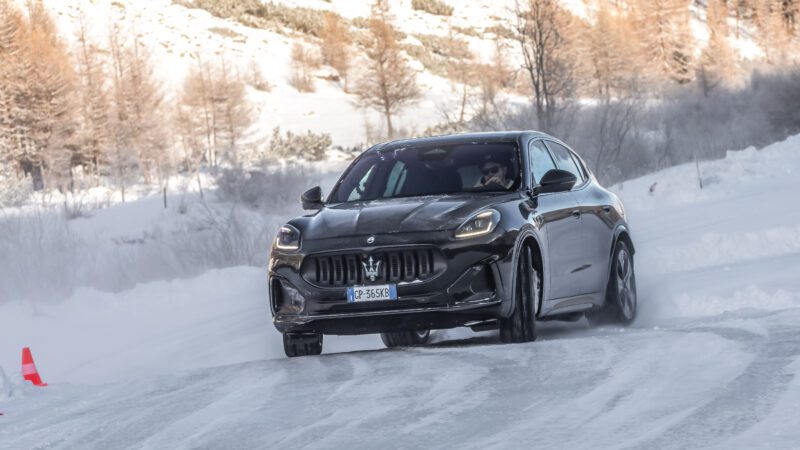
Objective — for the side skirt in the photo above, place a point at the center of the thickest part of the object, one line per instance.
(579, 303)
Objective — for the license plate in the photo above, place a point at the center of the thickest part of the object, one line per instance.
(371, 293)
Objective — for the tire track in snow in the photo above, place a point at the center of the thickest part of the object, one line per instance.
(746, 400)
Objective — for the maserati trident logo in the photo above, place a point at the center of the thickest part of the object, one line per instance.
(371, 269)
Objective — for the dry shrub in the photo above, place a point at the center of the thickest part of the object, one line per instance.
(437, 7)
(263, 15)
(308, 147)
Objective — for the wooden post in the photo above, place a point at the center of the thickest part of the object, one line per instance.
(699, 180)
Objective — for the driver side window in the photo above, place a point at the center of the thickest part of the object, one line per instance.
(361, 187)
(540, 161)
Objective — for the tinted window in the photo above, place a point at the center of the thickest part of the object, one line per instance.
(541, 161)
(431, 170)
(564, 160)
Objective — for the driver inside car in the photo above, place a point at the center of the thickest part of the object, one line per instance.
(494, 173)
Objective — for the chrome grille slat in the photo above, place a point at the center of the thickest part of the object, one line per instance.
(396, 265)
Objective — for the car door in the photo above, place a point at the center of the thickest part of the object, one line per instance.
(561, 221)
(597, 222)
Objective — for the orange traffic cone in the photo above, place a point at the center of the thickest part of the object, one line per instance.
(29, 371)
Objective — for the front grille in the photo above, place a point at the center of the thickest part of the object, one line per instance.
(394, 266)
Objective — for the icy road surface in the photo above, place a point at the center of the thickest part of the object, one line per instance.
(712, 362)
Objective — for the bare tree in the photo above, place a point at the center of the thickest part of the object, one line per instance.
(304, 62)
(213, 115)
(122, 160)
(540, 29)
(388, 84)
(613, 122)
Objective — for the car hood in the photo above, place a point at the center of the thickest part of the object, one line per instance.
(397, 215)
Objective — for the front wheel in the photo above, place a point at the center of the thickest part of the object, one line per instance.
(521, 326)
(405, 338)
(302, 344)
(621, 302)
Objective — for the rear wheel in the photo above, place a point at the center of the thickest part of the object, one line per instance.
(521, 326)
(302, 344)
(621, 302)
(405, 338)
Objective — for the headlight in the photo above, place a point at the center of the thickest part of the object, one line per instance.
(288, 238)
(482, 223)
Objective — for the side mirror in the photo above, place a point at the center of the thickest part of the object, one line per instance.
(312, 198)
(556, 180)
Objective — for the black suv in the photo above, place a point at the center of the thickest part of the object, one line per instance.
(485, 230)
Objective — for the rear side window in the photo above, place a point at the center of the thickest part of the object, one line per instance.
(565, 161)
(541, 161)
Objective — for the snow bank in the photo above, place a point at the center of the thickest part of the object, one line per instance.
(221, 317)
(738, 174)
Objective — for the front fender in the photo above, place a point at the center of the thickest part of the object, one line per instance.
(526, 232)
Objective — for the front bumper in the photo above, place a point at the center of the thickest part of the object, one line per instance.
(473, 287)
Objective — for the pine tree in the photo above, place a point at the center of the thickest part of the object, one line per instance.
(663, 30)
(611, 55)
(93, 135)
(388, 84)
(139, 137)
(46, 109)
(716, 63)
(232, 110)
(144, 97)
(334, 45)
(773, 33)
(11, 29)
(122, 159)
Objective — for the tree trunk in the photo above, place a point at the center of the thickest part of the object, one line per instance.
(389, 128)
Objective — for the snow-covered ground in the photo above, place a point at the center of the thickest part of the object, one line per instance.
(712, 361)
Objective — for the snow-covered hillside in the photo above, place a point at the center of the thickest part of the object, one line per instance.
(712, 361)
(177, 36)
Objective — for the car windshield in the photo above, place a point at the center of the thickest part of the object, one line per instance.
(431, 170)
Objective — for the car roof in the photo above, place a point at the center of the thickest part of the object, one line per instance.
(461, 138)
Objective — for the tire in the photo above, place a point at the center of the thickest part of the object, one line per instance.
(621, 303)
(405, 338)
(521, 326)
(302, 344)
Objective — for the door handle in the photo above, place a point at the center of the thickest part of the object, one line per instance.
(607, 208)
(576, 213)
